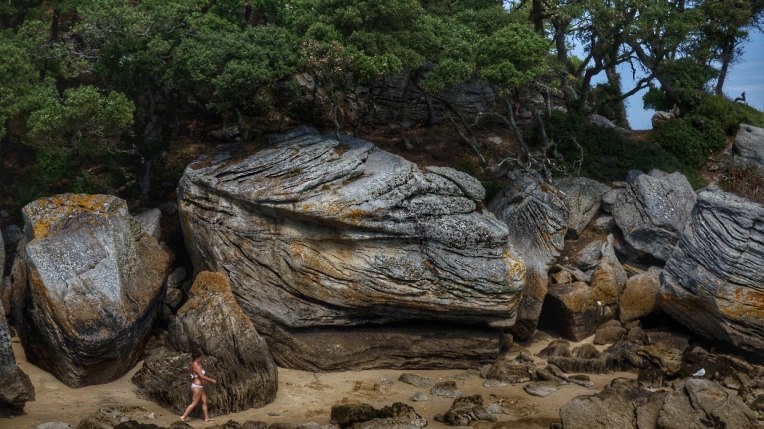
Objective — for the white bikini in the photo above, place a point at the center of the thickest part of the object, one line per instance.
(194, 377)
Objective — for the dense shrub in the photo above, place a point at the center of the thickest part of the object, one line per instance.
(729, 115)
(608, 156)
(692, 139)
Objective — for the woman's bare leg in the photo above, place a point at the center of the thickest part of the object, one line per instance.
(204, 408)
(195, 400)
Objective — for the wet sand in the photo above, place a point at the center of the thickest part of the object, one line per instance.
(304, 398)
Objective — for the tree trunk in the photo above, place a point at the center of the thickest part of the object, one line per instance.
(537, 16)
(54, 25)
(728, 50)
(615, 83)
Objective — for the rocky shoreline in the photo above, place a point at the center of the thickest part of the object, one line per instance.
(326, 256)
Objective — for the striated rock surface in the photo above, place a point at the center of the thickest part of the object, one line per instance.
(653, 210)
(88, 286)
(15, 387)
(536, 214)
(235, 355)
(749, 144)
(714, 283)
(585, 198)
(318, 236)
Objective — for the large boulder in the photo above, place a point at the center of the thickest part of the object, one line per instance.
(640, 297)
(235, 354)
(88, 287)
(713, 283)
(749, 144)
(652, 211)
(536, 214)
(329, 246)
(16, 388)
(585, 198)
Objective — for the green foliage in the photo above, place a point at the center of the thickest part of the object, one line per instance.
(729, 115)
(81, 119)
(492, 187)
(608, 156)
(656, 99)
(229, 67)
(512, 56)
(17, 77)
(691, 139)
(602, 92)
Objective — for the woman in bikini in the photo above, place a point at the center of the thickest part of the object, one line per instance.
(197, 387)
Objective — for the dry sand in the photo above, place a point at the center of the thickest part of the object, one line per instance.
(302, 397)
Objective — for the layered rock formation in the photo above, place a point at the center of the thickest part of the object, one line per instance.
(713, 283)
(235, 354)
(536, 214)
(653, 210)
(88, 286)
(317, 236)
(585, 198)
(15, 387)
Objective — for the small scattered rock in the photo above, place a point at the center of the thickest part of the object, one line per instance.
(386, 382)
(419, 397)
(273, 414)
(446, 389)
(494, 383)
(541, 388)
(416, 380)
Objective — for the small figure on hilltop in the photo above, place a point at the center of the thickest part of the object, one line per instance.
(198, 378)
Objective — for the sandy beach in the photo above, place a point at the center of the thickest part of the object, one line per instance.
(303, 397)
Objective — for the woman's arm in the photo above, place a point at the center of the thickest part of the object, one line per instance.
(198, 370)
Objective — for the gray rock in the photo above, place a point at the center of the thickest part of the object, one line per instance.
(386, 382)
(12, 235)
(512, 372)
(464, 411)
(16, 388)
(398, 99)
(176, 278)
(661, 116)
(536, 214)
(541, 389)
(54, 425)
(589, 257)
(585, 198)
(5, 295)
(446, 389)
(606, 223)
(608, 200)
(749, 144)
(601, 121)
(364, 416)
(419, 397)
(496, 408)
(466, 183)
(640, 297)
(713, 283)
(317, 236)
(494, 383)
(416, 380)
(107, 417)
(88, 286)
(235, 355)
(150, 221)
(652, 212)
(174, 297)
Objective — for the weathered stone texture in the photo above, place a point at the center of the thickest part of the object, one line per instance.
(88, 286)
(316, 235)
